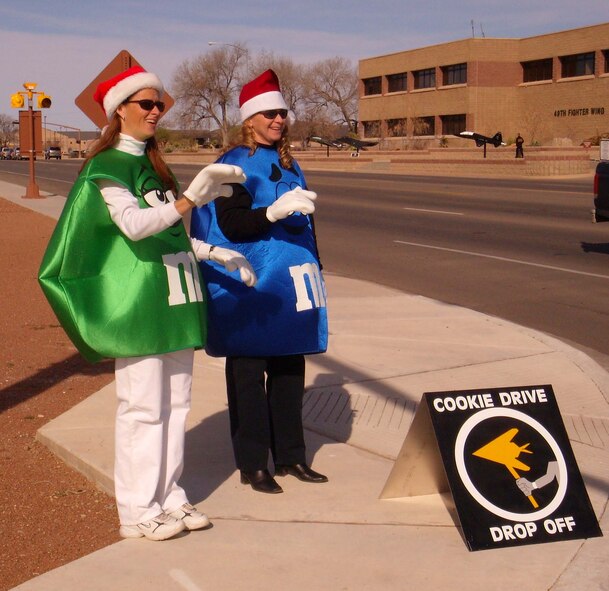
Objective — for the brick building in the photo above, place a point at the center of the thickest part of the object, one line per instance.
(71, 143)
(552, 89)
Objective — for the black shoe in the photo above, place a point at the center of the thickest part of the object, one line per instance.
(261, 481)
(301, 471)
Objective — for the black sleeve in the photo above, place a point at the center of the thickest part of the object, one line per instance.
(236, 218)
(315, 239)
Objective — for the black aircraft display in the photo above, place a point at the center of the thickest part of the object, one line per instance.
(343, 142)
(482, 140)
(357, 144)
(326, 142)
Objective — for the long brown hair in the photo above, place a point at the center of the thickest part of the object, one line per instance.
(109, 138)
(246, 138)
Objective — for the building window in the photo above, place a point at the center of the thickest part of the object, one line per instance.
(456, 74)
(425, 78)
(372, 85)
(396, 82)
(452, 124)
(606, 56)
(581, 64)
(372, 128)
(396, 127)
(537, 70)
(424, 126)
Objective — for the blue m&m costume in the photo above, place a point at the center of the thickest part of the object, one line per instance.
(285, 313)
(265, 331)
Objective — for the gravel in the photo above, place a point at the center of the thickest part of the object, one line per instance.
(50, 514)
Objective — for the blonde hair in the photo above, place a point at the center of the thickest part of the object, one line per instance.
(246, 138)
(109, 138)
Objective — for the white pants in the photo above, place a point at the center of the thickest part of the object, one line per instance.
(153, 402)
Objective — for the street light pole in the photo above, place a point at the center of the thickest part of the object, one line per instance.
(18, 101)
(241, 49)
(220, 43)
(31, 191)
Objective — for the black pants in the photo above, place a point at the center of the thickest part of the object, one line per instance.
(265, 408)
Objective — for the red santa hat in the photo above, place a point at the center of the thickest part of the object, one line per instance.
(261, 94)
(111, 93)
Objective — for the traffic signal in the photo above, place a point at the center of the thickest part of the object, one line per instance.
(17, 101)
(44, 101)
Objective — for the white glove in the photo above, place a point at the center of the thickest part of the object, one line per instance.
(526, 486)
(230, 259)
(212, 182)
(295, 200)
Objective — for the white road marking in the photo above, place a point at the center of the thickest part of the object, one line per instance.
(507, 260)
(433, 211)
(180, 577)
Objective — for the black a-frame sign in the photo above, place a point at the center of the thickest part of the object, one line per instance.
(505, 456)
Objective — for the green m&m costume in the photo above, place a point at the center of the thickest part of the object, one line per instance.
(116, 297)
(121, 275)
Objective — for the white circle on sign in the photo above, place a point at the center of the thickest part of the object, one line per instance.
(462, 436)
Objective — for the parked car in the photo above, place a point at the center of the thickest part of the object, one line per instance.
(7, 153)
(22, 156)
(52, 152)
(600, 213)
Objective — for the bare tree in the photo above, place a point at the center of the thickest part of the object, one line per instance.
(206, 88)
(323, 96)
(7, 130)
(333, 84)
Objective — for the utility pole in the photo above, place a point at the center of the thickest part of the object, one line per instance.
(29, 123)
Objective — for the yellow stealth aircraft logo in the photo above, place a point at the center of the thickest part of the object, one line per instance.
(504, 451)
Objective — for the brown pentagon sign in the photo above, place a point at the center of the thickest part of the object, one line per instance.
(84, 101)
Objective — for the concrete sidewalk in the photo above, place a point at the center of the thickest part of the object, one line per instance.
(386, 349)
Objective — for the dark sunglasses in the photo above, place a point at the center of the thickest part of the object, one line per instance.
(148, 104)
(283, 113)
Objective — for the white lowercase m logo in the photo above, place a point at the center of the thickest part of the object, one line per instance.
(316, 288)
(182, 272)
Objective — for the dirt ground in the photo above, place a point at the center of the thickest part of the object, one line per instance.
(50, 515)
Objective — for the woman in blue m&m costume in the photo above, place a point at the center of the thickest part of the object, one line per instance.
(264, 332)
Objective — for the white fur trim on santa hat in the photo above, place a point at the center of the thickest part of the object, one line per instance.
(128, 86)
(262, 102)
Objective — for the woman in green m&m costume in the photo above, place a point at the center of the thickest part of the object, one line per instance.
(121, 275)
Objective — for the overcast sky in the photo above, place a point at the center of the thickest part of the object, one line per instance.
(63, 44)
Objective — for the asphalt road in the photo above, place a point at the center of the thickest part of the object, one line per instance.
(520, 249)
(524, 250)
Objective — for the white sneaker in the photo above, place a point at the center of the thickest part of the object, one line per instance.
(162, 527)
(191, 517)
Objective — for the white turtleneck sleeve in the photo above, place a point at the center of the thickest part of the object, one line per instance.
(136, 223)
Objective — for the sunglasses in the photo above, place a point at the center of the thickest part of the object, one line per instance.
(148, 104)
(283, 113)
